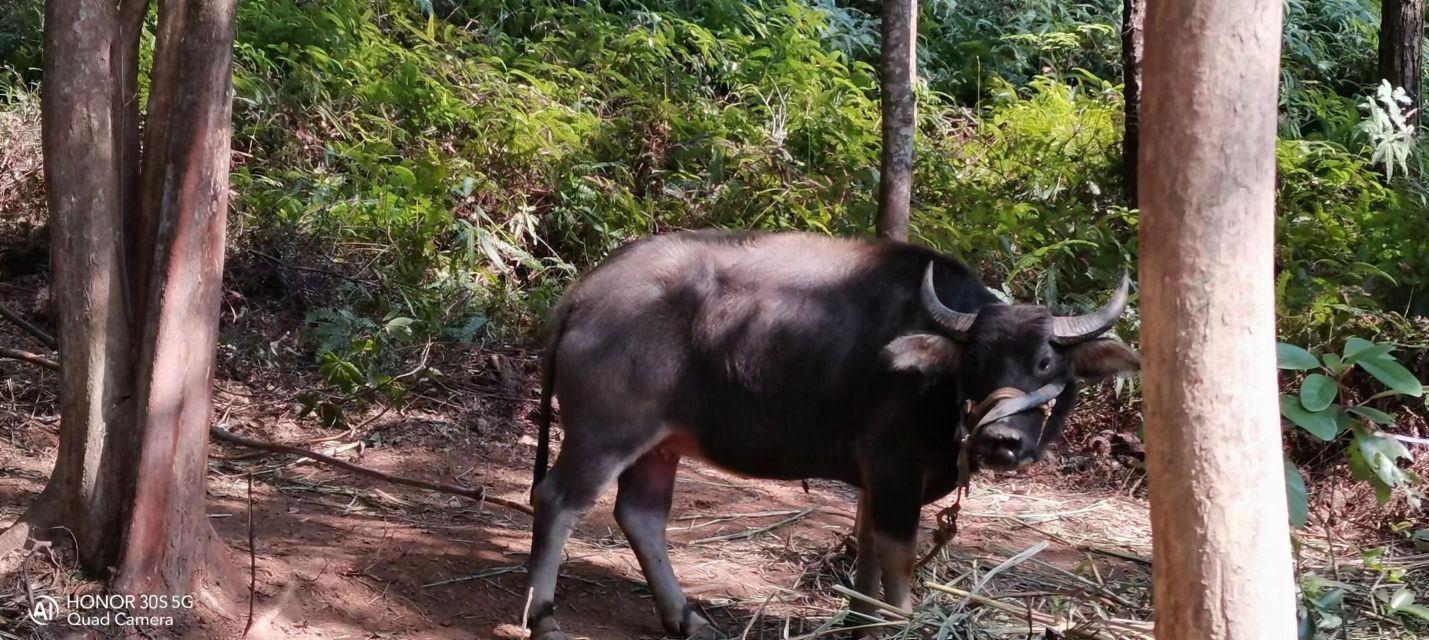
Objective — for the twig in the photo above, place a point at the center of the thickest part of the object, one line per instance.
(1115, 554)
(252, 558)
(756, 531)
(758, 612)
(325, 272)
(489, 573)
(26, 356)
(37, 333)
(901, 613)
(477, 493)
(1409, 439)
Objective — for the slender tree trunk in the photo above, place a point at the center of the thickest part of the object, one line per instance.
(1133, 18)
(898, 67)
(1219, 521)
(137, 263)
(1401, 48)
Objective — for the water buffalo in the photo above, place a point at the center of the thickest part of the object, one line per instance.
(880, 364)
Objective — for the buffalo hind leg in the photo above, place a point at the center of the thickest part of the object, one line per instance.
(642, 507)
(574, 483)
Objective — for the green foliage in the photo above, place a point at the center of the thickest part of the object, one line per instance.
(20, 22)
(1373, 453)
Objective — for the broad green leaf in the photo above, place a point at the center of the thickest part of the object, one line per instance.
(1320, 424)
(1296, 496)
(1306, 629)
(1390, 448)
(1402, 597)
(1372, 414)
(1317, 392)
(1358, 349)
(1372, 458)
(1289, 356)
(1393, 375)
(404, 176)
(1335, 364)
(1417, 610)
(400, 327)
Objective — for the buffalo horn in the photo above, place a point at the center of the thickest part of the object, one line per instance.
(955, 322)
(1074, 329)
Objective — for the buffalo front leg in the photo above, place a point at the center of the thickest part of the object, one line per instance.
(642, 507)
(866, 566)
(895, 504)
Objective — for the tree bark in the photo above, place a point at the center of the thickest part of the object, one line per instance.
(1133, 19)
(897, 69)
(93, 470)
(185, 188)
(1401, 48)
(1218, 509)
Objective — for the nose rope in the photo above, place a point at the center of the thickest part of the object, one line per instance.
(974, 413)
(971, 424)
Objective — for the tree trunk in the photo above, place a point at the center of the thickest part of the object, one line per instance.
(1401, 48)
(1219, 521)
(185, 188)
(1133, 18)
(898, 67)
(137, 263)
(93, 471)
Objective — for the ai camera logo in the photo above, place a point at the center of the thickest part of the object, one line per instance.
(45, 610)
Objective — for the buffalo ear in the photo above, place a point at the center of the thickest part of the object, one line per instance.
(1103, 358)
(924, 353)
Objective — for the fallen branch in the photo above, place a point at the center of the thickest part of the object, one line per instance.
(26, 356)
(37, 333)
(756, 531)
(477, 493)
(1115, 554)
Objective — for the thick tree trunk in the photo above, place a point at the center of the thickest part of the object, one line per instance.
(1401, 47)
(137, 263)
(186, 201)
(898, 67)
(93, 473)
(1133, 19)
(1218, 511)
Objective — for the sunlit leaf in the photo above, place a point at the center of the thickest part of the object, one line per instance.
(1393, 375)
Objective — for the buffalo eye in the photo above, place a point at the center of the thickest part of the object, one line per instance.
(1044, 364)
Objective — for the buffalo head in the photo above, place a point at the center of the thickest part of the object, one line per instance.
(1016, 368)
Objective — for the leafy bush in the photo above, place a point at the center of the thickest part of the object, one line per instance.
(1326, 408)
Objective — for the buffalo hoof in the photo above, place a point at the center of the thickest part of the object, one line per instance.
(706, 632)
(552, 635)
(698, 628)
